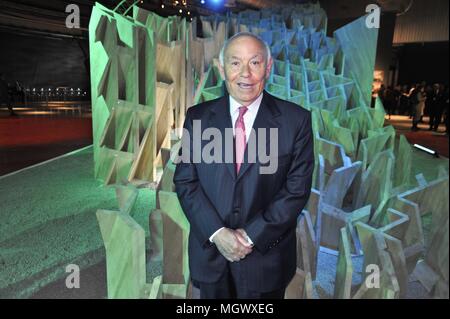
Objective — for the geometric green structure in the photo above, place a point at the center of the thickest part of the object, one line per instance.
(403, 164)
(358, 43)
(376, 181)
(123, 92)
(139, 93)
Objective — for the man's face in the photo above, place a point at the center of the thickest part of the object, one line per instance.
(245, 69)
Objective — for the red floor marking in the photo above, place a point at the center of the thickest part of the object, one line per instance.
(22, 131)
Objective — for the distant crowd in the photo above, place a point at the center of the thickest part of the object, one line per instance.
(416, 101)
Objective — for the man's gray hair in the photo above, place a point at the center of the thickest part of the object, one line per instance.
(243, 34)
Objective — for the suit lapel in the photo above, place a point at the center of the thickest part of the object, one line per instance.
(221, 119)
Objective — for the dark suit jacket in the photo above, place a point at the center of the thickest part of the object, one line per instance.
(265, 205)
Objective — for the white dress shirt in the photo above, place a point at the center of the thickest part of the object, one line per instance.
(249, 119)
(249, 116)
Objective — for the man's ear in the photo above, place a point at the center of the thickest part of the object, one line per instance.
(269, 67)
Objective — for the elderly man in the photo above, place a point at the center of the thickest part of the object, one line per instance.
(242, 242)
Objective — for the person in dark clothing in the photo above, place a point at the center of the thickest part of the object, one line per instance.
(436, 106)
(389, 101)
(381, 92)
(404, 101)
(397, 94)
(19, 92)
(446, 109)
(242, 240)
(5, 94)
(412, 101)
(429, 89)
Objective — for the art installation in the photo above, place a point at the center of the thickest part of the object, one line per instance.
(147, 70)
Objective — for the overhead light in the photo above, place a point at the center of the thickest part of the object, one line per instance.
(202, 2)
(162, 6)
(189, 12)
(426, 150)
(180, 11)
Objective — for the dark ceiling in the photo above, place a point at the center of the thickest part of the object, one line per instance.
(37, 16)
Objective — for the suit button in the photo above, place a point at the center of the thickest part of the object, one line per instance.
(236, 211)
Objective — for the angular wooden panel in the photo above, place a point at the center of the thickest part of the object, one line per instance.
(344, 268)
(307, 248)
(175, 240)
(300, 286)
(124, 242)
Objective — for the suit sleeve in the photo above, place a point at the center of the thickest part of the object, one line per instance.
(268, 228)
(202, 215)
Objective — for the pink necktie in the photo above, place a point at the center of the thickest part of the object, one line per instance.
(240, 137)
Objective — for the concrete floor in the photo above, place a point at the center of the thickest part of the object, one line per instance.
(48, 221)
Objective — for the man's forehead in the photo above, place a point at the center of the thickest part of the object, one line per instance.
(244, 43)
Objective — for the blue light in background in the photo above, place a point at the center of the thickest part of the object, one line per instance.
(216, 2)
(213, 4)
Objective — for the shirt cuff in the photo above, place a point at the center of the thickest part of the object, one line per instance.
(249, 240)
(212, 236)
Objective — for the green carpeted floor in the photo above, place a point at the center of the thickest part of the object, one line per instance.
(47, 221)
